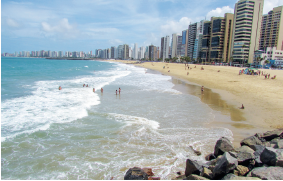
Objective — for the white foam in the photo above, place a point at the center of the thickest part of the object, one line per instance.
(134, 120)
(86, 66)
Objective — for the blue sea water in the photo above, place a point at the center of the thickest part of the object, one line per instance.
(75, 133)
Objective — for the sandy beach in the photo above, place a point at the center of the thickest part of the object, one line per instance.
(262, 98)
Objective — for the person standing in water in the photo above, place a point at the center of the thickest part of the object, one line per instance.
(60, 88)
(101, 90)
(202, 89)
(119, 90)
(93, 89)
(116, 92)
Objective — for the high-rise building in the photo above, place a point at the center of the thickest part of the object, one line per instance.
(191, 38)
(125, 55)
(184, 46)
(130, 52)
(272, 29)
(135, 52)
(174, 45)
(113, 51)
(120, 51)
(246, 31)
(179, 45)
(205, 41)
(164, 51)
(141, 52)
(152, 52)
(60, 54)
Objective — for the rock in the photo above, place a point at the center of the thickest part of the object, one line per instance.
(148, 171)
(279, 144)
(195, 151)
(252, 140)
(245, 155)
(223, 145)
(153, 178)
(271, 156)
(135, 173)
(236, 172)
(244, 178)
(268, 173)
(229, 176)
(209, 157)
(206, 173)
(233, 154)
(193, 167)
(181, 177)
(242, 170)
(195, 177)
(179, 173)
(224, 165)
(270, 135)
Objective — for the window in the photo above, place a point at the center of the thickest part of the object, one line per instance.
(215, 41)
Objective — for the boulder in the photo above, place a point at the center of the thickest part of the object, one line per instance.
(258, 150)
(206, 173)
(223, 145)
(270, 135)
(279, 144)
(244, 178)
(245, 155)
(271, 156)
(135, 173)
(267, 173)
(209, 157)
(226, 164)
(193, 167)
(242, 170)
(229, 176)
(252, 140)
(195, 177)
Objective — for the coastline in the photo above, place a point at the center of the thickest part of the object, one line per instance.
(226, 91)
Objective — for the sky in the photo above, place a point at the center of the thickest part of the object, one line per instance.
(86, 25)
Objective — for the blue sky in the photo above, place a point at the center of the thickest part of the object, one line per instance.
(85, 25)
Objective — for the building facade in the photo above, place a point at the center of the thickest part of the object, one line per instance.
(246, 31)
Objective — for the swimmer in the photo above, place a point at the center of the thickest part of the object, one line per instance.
(84, 85)
(60, 88)
(242, 107)
(93, 89)
(119, 90)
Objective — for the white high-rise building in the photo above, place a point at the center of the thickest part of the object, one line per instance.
(164, 52)
(135, 52)
(174, 45)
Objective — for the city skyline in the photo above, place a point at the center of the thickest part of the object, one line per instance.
(90, 25)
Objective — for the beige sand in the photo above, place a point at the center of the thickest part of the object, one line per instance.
(262, 98)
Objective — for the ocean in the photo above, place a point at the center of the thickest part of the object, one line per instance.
(75, 133)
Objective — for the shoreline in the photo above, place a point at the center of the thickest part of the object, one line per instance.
(261, 97)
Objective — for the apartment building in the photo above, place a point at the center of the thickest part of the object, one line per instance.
(164, 48)
(272, 29)
(246, 31)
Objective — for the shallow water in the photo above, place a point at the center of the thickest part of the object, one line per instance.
(78, 134)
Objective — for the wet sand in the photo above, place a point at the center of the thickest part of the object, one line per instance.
(225, 91)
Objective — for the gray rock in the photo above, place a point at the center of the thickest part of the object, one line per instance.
(258, 150)
(271, 156)
(252, 140)
(268, 173)
(244, 178)
(223, 145)
(195, 177)
(135, 173)
(224, 165)
(229, 176)
(245, 155)
(279, 144)
(193, 167)
(270, 135)
(209, 157)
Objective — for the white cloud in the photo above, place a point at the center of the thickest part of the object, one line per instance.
(219, 12)
(115, 41)
(12, 23)
(270, 4)
(175, 26)
(63, 28)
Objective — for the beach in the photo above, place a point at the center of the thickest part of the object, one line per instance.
(262, 98)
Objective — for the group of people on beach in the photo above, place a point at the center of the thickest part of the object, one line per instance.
(258, 72)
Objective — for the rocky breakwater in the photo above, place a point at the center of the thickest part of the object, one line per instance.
(260, 157)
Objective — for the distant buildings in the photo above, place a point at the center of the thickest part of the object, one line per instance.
(164, 51)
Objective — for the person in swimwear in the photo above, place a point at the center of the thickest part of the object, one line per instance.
(202, 89)
(101, 90)
(93, 89)
(119, 90)
(60, 88)
(116, 92)
(242, 107)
